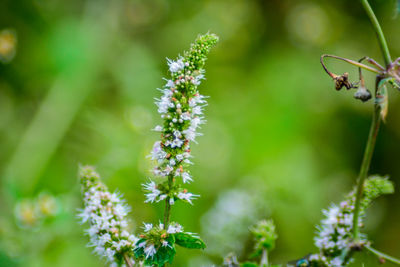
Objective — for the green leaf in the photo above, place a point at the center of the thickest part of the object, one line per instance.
(163, 255)
(187, 240)
(382, 97)
(139, 252)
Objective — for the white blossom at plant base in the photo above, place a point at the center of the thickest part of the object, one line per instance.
(106, 214)
(156, 245)
(334, 238)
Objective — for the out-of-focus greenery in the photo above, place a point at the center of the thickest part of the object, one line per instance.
(77, 83)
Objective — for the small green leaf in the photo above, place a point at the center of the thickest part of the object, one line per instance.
(139, 251)
(187, 240)
(382, 97)
(163, 255)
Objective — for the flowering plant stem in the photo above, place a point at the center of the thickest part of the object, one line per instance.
(382, 255)
(369, 150)
(167, 211)
(378, 31)
(127, 260)
(374, 125)
(264, 258)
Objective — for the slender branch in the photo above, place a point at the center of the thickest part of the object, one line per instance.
(362, 81)
(372, 62)
(352, 62)
(376, 118)
(167, 209)
(264, 258)
(167, 212)
(127, 260)
(382, 255)
(378, 31)
(369, 150)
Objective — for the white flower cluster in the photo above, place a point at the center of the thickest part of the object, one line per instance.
(334, 238)
(150, 245)
(181, 108)
(106, 213)
(182, 116)
(335, 234)
(155, 195)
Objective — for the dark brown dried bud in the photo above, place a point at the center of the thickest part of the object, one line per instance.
(343, 80)
(363, 94)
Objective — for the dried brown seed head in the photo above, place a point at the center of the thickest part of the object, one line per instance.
(343, 80)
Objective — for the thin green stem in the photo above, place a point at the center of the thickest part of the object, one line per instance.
(369, 150)
(167, 210)
(383, 255)
(378, 31)
(376, 118)
(264, 258)
(127, 260)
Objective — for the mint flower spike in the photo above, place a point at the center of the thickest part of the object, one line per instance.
(335, 234)
(181, 108)
(106, 214)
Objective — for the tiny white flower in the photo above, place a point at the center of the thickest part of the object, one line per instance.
(175, 66)
(147, 227)
(337, 262)
(176, 143)
(186, 116)
(187, 196)
(110, 254)
(120, 211)
(174, 228)
(150, 251)
(332, 215)
(158, 128)
(170, 84)
(186, 177)
(177, 134)
(158, 153)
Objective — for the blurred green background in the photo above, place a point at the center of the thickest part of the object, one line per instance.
(77, 85)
